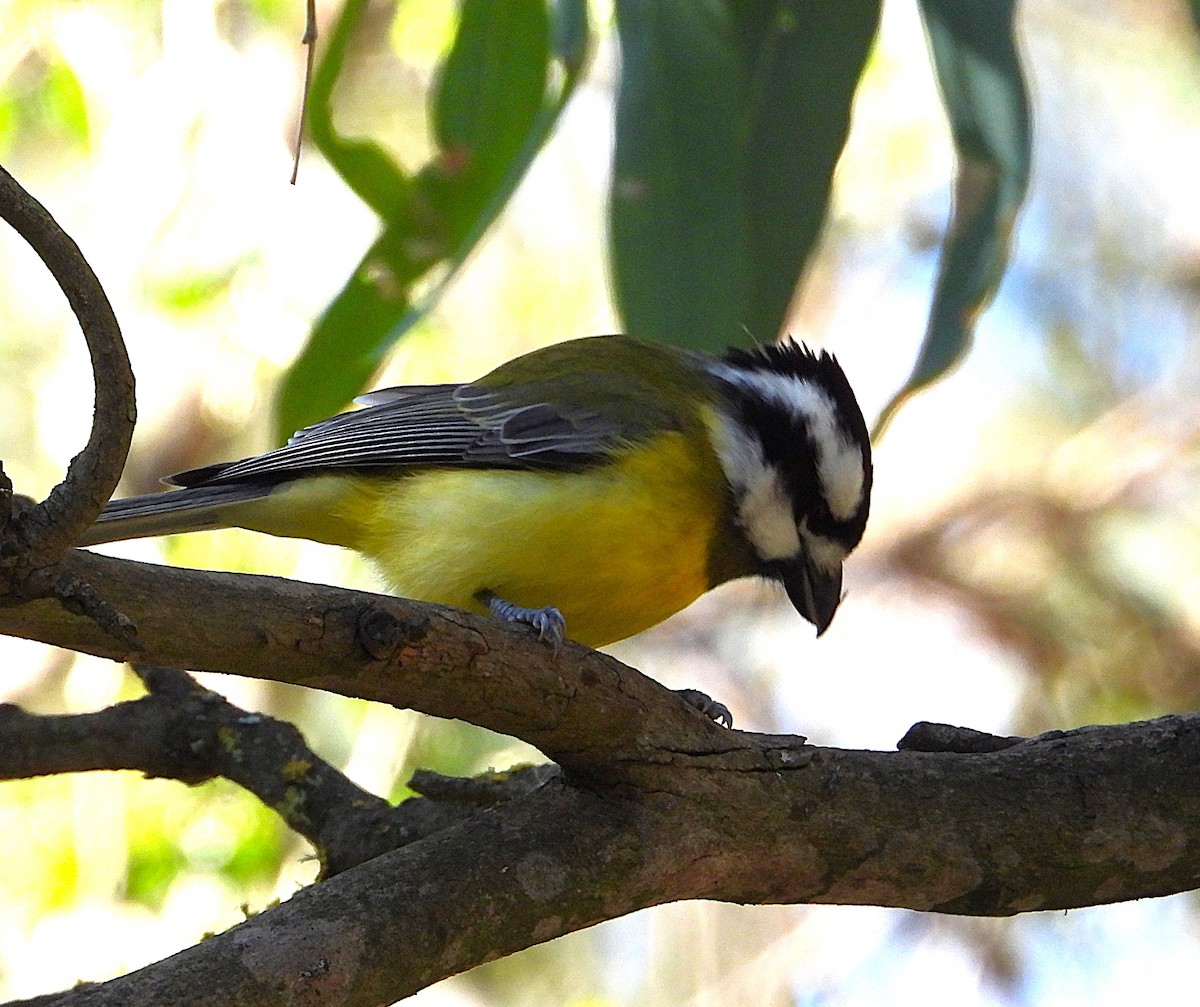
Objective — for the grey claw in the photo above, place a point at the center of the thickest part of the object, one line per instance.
(549, 623)
(707, 705)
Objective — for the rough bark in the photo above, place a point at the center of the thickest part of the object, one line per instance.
(1078, 819)
(582, 707)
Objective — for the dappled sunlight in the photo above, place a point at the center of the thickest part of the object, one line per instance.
(1031, 561)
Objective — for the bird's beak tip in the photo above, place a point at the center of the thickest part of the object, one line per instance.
(824, 616)
(815, 593)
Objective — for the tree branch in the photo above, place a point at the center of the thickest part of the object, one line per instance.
(584, 709)
(48, 529)
(182, 731)
(658, 803)
(1081, 819)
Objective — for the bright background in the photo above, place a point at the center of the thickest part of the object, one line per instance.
(1032, 559)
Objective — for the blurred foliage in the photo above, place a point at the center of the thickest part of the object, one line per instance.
(1085, 562)
(730, 121)
(194, 291)
(979, 71)
(46, 100)
(509, 73)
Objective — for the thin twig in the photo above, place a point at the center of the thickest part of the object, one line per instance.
(308, 39)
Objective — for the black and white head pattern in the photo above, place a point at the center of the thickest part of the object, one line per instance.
(796, 451)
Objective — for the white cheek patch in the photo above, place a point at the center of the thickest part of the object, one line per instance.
(764, 510)
(824, 553)
(839, 459)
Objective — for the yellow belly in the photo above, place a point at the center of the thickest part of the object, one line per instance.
(616, 548)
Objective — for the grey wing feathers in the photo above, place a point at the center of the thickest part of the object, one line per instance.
(540, 433)
(430, 425)
(409, 427)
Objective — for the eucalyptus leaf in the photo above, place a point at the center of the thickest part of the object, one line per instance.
(730, 119)
(979, 73)
(494, 106)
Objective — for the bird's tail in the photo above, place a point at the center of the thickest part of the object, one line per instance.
(196, 508)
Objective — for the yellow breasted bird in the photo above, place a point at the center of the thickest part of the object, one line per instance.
(605, 482)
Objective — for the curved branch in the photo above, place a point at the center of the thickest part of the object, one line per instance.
(1074, 820)
(586, 710)
(47, 530)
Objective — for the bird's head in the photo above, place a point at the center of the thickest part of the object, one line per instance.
(797, 455)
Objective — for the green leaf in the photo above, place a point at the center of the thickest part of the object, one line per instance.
(365, 167)
(568, 42)
(495, 106)
(487, 98)
(806, 61)
(571, 36)
(979, 73)
(730, 120)
(680, 255)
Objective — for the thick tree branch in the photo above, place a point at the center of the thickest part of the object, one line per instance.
(658, 803)
(584, 709)
(48, 529)
(1092, 816)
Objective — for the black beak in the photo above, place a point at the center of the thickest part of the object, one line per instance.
(815, 592)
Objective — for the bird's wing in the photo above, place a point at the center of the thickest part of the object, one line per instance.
(470, 425)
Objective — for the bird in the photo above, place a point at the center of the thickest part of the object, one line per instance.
(590, 488)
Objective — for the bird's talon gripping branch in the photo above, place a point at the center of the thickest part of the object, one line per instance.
(549, 622)
(703, 702)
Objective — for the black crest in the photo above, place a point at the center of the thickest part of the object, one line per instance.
(797, 360)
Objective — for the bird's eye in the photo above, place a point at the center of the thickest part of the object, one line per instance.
(819, 520)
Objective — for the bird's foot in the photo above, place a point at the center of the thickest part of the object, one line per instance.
(707, 705)
(549, 622)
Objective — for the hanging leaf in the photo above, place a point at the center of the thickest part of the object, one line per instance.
(730, 119)
(806, 61)
(494, 107)
(487, 97)
(979, 74)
